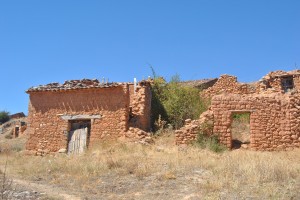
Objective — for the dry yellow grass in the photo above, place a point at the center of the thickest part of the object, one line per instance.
(230, 175)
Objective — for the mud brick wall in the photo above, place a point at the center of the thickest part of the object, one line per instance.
(274, 119)
(48, 131)
(140, 104)
(228, 84)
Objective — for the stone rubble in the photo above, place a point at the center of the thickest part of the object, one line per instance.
(73, 85)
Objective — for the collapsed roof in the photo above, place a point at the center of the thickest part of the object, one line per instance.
(73, 85)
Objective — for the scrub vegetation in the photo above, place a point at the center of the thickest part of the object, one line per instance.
(162, 171)
(174, 103)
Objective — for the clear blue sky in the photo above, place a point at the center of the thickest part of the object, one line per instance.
(44, 41)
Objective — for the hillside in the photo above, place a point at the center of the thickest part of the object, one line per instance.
(159, 171)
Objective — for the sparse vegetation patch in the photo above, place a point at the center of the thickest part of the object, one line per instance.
(4, 117)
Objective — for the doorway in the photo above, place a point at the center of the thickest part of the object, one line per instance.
(79, 135)
(240, 130)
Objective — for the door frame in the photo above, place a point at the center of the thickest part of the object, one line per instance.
(84, 123)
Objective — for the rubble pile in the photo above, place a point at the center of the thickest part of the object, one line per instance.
(73, 84)
(136, 134)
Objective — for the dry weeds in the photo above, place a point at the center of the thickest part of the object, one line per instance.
(194, 172)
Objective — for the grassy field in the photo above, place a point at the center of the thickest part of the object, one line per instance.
(163, 171)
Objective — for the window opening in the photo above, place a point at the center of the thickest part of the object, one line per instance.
(287, 83)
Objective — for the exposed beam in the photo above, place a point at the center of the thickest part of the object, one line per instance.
(77, 117)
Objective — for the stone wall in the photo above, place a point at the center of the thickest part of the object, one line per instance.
(272, 82)
(188, 133)
(274, 119)
(228, 84)
(17, 115)
(274, 111)
(296, 79)
(140, 106)
(19, 129)
(48, 131)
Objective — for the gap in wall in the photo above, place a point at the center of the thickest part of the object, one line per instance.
(240, 130)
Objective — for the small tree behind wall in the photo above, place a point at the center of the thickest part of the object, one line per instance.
(4, 117)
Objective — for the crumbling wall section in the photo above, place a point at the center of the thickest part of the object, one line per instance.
(228, 84)
(189, 132)
(140, 106)
(274, 121)
(272, 82)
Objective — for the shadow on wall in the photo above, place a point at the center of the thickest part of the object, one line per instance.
(79, 101)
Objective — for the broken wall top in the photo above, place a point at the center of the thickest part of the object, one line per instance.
(78, 84)
(200, 84)
(274, 82)
(280, 73)
(228, 84)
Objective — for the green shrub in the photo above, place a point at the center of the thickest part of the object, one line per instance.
(181, 103)
(4, 117)
(158, 112)
(174, 103)
(241, 117)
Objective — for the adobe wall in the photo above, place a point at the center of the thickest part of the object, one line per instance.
(48, 131)
(272, 82)
(228, 84)
(140, 105)
(274, 119)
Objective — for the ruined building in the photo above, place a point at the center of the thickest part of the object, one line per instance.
(74, 115)
(273, 104)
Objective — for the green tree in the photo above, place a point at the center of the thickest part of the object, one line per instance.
(4, 117)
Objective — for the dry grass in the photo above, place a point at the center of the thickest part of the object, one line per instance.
(230, 175)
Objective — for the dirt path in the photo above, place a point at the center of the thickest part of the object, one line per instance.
(49, 190)
(42, 188)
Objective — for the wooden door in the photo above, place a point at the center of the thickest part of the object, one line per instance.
(77, 139)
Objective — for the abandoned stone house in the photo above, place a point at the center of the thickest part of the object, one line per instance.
(75, 115)
(273, 104)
